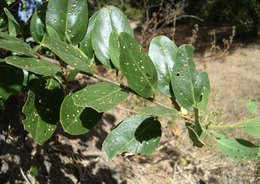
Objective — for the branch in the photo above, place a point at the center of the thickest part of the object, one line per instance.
(235, 125)
(101, 78)
(189, 16)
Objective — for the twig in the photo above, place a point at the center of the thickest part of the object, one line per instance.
(189, 16)
(24, 176)
(54, 61)
(235, 125)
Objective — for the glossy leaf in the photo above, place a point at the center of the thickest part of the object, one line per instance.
(190, 87)
(69, 18)
(85, 44)
(253, 127)
(16, 45)
(13, 25)
(139, 134)
(238, 149)
(252, 106)
(136, 66)
(37, 66)
(201, 90)
(162, 52)
(69, 54)
(37, 23)
(108, 19)
(11, 80)
(101, 96)
(3, 18)
(114, 49)
(77, 120)
(159, 111)
(42, 109)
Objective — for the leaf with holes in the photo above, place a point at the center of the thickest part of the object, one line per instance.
(77, 120)
(253, 127)
(162, 52)
(11, 80)
(101, 96)
(139, 134)
(108, 19)
(238, 149)
(37, 66)
(13, 25)
(16, 45)
(85, 44)
(69, 54)
(69, 18)
(136, 66)
(159, 111)
(201, 90)
(252, 106)
(42, 109)
(190, 87)
(37, 23)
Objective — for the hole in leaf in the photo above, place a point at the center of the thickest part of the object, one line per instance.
(178, 74)
(201, 96)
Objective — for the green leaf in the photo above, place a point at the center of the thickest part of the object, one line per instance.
(238, 149)
(77, 120)
(11, 80)
(114, 49)
(72, 75)
(42, 109)
(13, 44)
(3, 18)
(139, 134)
(108, 19)
(101, 96)
(34, 171)
(2, 104)
(85, 44)
(217, 135)
(190, 87)
(137, 67)
(195, 135)
(13, 25)
(159, 111)
(252, 106)
(162, 52)
(253, 127)
(37, 66)
(69, 54)
(69, 18)
(37, 23)
(201, 90)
